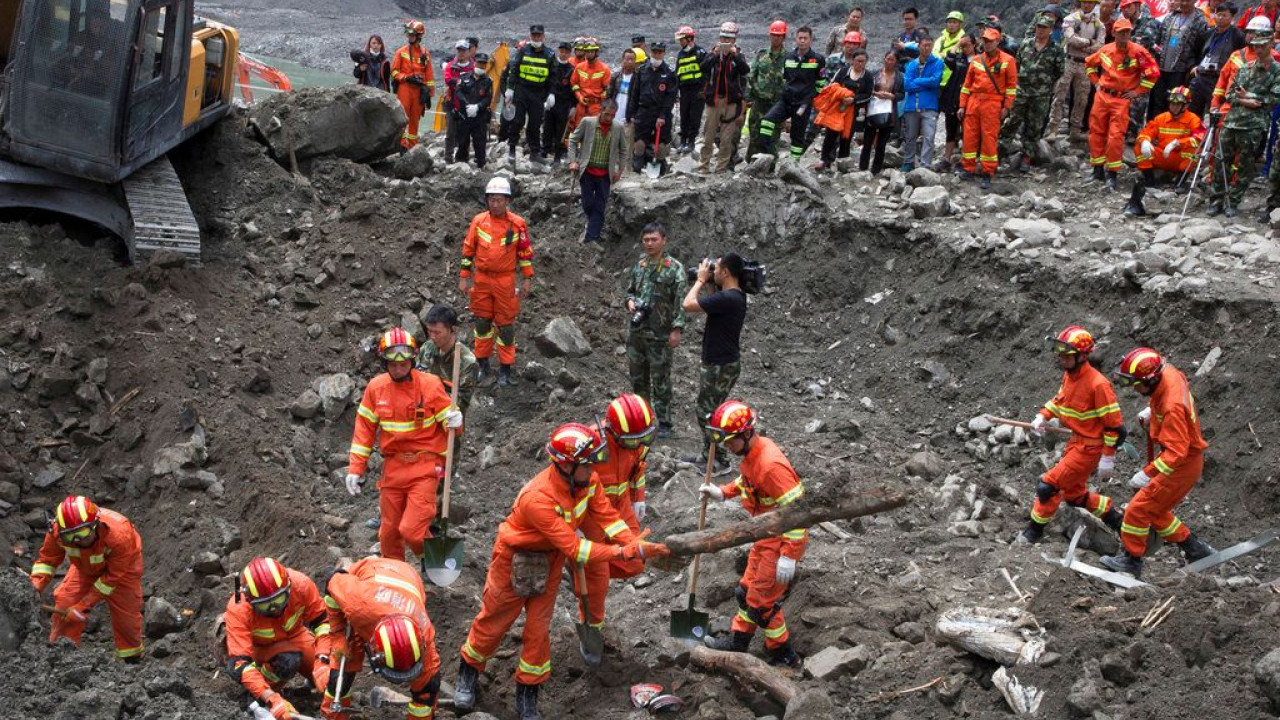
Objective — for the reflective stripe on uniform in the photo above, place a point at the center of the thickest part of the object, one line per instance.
(42, 569)
(471, 653)
(1134, 530)
(103, 588)
(419, 710)
(584, 551)
(398, 583)
(1162, 466)
(1171, 529)
(744, 617)
(531, 669)
(775, 633)
(1081, 414)
(615, 528)
(797, 534)
(129, 651)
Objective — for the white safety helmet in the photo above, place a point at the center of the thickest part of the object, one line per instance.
(729, 29)
(498, 186)
(1259, 23)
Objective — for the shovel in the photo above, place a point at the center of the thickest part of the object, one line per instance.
(691, 624)
(654, 168)
(590, 639)
(442, 555)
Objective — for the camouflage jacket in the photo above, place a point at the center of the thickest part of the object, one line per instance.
(431, 360)
(661, 290)
(765, 82)
(1039, 71)
(1146, 31)
(1261, 84)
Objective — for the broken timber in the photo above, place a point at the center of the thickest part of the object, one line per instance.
(748, 670)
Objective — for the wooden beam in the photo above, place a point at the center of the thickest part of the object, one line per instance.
(748, 670)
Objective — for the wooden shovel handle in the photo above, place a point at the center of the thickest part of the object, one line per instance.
(702, 518)
(1027, 425)
(54, 609)
(448, 452)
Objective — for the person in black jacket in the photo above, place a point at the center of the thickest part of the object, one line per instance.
(690, 75)
(725, 72)
(957, 61)
(528, 83)
(559, 104)
(472, 98)
(373, 68)
(649, 106)
(801, 73)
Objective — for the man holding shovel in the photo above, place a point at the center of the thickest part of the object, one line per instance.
(768, 483)
(649, 108)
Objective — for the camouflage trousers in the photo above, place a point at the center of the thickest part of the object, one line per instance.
(714, 385)
(649, 359)
(1026, 125)
(1242, 145)
(757, 114)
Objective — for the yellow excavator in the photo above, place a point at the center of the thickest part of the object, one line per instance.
(93, 93)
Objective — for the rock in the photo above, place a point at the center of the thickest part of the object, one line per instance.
(335, 393)
(923, 177)
(929, 201)
(1116, 668)
(167, 681)
(168, 260)
(811, 705)
(796, 174)
(1267, 672)
(97, 372)
(816, 425)
(259, 381)
(1085, 695)
(925, 464)
(57, 382)
(761, 166)
(91, 704)
(562, 338)
(173, 458)
(567, 379)
(1209, 363)
(488, 457)
(48, 476)
(979, 424)
(307, 405)
(415, 163)
(198, 480)
(350, 121)
(912, 632)
(159, 618)
(1034, 233)
(846, 427)
(207, 563)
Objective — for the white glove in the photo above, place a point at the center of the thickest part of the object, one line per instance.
(473, 110)
(453, 419)
(550, 103)
(353, 483)
(640, 509)
(1146, 148)
(786, 570)
(509, 95)
(1173, 145)
(1144, 417)
(800, 111)
(1037, 425)
(1106, 466)
(711, 491)
(1139, 480)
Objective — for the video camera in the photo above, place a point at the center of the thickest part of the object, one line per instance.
(360, 57)
(752, 281)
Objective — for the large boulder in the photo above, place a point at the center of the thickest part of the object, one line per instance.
(335, 391)
(1267, 672)
(562, 338)
(352, 121)
(1033, 233)
(929, 201)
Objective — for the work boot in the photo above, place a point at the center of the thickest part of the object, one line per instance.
(1230, 211)
(1122, 562)
(1196, 549)
(1214, 209)
(734, 642)
(527, 702)
(664, 429)
(1149, 177)
(1099, 174)
(984, 181)
(786, 656)
(1135, 200)
(484, 375)
(1113, 519)
(464, 693)
(1031, 534)
(374, 522)
(1111, 180)
(506, 378)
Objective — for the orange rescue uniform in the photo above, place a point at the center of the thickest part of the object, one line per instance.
(110, 570)
(989, 88)
(590, 83)
(407, 419)
(1086, 405)
(495, 249)
(412, 61)
(1175, 427)
(254, 640)
(545, 518)
(767, 482)
(357, 600)
(1115, 72)
(1164, 128)
(623, 479)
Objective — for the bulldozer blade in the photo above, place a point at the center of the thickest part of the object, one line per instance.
(1234, 552)
(689, 624)
(442, 559)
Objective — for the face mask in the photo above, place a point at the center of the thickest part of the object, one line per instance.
(479, 71)
(655, 61)
(537, 44)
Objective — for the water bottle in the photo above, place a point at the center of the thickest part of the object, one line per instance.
(257, 712)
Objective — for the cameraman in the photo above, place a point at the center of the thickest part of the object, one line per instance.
(726, 310)
(654, 291)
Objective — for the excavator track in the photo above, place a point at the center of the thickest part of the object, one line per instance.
(162, 217)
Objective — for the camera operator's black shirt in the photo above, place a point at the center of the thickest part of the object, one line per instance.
(726, 311)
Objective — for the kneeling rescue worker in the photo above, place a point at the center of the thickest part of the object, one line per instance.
(377, 609)
(1173, 424)
(532, 545)
(276, 626)
(768, 483)
(106, 564)
(1086, 405)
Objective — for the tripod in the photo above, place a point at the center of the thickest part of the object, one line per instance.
(1211, 148)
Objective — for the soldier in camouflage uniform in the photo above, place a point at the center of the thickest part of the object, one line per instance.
(1146, 32)
(764, 87)
(1253, 92)
(1040, 64)
(655, 289)
(436, 357)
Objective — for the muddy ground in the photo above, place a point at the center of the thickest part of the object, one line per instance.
(881, 337)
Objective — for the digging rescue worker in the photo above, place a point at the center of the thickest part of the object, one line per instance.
(986, 99)
(532, 546)
(411, 69)
(630, 426)
(1174, 426)
(1086, 405)
(528, 84)
(496, 248)
(689, 62)
(276, 626)
(409, 413)
(377, 610)
(802, 78)
(105, 553)
(590, 82)
(1121, 71)
(767, 483)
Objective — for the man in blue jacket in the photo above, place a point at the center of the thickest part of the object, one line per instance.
(921, 80)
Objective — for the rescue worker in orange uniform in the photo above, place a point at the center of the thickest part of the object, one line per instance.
(1086, 405)
(1170, 141)
(629, 428)
(590, 82)
(1121, 71)
(276, 626)
(409, 413)
(767, 483)
(532, 545)
(496, 248)
(411, 69)
(105, 553)
(990, 87)
(378, 609)
(1172, 424)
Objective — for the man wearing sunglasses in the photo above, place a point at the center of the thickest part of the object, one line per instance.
(1174, 425)
(276, 626)
(1086, 405)
(541, 532)
(767, 483)
(408, 413)
(105, 553)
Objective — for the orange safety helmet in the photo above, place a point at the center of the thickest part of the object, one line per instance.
(74, 513)
(574, 444)
(394, 650)
(1072, 340)
(731, 419)
(630, 420)
(778, 27)
(854, 37)
(685, 31)
(266, 583)
(1139, 366)
(415, 27)
(397, 344)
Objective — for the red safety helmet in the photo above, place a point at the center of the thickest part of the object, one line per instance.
(1139, 366)
(685, 31)
(266, 583)
(415, 27)
(630, 420)
(76, 518)
(395, 652)
(397, 344)
(1180, 94)
(575, 444)
(778, 27)
(854, 37)
(1072, 340)
(731, 419)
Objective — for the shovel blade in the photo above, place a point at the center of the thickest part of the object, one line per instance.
(590, 644)
(442, 560)
(653, 170)
(689, 624)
